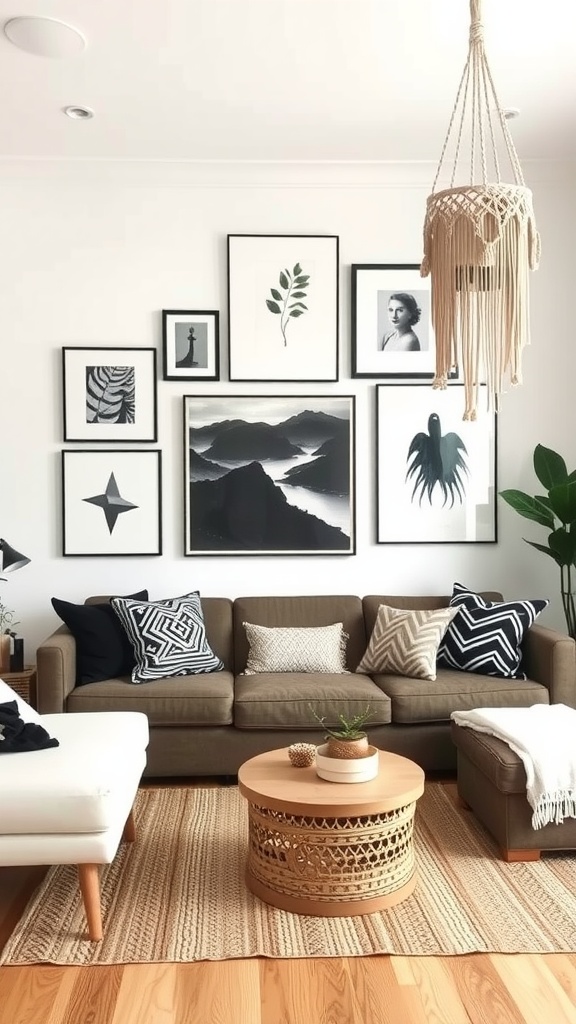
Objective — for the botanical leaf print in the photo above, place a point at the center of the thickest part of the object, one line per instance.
(110, 394)
(293, 286)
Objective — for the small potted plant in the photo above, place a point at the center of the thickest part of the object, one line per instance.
(6, 624)
(346, 756)
(348, 739)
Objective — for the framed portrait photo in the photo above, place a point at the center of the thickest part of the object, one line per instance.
(283, 307)
(111, 502)
(269, 474)
(191, 344)
(436, 473)
(109, 394)
(392, 333)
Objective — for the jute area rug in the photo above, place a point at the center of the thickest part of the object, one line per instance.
(178, 895)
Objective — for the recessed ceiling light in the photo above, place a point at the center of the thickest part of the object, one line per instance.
(510, 113)
(78, 113)
(45, 37)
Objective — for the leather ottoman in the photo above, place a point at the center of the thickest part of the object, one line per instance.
(492, 782)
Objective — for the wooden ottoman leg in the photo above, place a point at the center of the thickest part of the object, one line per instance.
(516, 855)
(129, 833)
(90, 889)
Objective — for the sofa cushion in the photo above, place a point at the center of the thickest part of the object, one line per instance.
(273, 701)
(322, 610)
(168, 637)
(416, 700)
(103, 649)
(486, 636)
(295, 648)
(406, 642)
(175, 701)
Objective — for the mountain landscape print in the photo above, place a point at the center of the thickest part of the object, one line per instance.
(269, 474)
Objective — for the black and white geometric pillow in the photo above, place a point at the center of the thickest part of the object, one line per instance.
(486, 636)
(168, 637)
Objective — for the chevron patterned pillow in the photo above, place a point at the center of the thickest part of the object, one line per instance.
(405, 642)
(486, 636)
(168, 637)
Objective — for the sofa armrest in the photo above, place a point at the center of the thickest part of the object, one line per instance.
(549, 657)
(55, 671)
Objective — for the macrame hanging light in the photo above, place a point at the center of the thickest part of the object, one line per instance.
(480, 241)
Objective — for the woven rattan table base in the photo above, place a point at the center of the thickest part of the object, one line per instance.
(340, 866)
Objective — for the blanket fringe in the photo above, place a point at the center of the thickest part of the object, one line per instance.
(552, 808)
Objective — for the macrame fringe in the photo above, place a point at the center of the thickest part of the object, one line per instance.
(552, 808)
(480, 241)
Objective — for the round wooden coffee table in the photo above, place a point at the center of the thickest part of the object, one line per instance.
(326, 848)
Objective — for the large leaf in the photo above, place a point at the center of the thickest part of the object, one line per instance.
(283, 281)
(563, 501)
(298, 295)
(296, 312)
(549, 467)
(297, 270)
(110, 394)
(528, 507)
(563, 544)
(273, 306)
(543, 499)
(276, 294)
(544, 550)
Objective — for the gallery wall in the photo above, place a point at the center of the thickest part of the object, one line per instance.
(91, 255)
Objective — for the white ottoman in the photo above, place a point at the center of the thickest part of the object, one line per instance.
(72, 804)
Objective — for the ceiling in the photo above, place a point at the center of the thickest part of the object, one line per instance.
(289, 80)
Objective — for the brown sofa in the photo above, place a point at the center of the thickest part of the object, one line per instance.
(209, 724)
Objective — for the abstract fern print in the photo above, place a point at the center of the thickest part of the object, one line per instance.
(287, 304)
(110, 394)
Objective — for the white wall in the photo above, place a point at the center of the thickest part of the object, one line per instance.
(92, 252)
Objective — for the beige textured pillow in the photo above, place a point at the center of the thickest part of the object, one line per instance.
(296, 649)
(406, 642)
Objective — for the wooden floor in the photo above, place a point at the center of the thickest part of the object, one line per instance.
(475, 989)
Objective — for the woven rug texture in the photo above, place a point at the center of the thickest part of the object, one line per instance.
(178, 895)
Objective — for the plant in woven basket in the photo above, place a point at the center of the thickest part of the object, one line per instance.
(348, 739)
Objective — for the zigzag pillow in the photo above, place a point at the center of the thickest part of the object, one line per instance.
(168, 637)
(406, 642)
(486, 636)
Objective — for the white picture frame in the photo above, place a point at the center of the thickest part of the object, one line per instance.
(423, 498)
(109, 394)
(111, 502)
(283, 307)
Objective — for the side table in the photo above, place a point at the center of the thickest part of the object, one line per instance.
(330, 849)
(24, 683)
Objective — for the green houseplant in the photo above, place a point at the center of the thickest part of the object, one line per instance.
(348, 739)
(556, 511)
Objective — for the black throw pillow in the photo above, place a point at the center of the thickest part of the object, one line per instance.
(103, 650)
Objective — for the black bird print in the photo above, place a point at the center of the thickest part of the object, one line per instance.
(437, 459)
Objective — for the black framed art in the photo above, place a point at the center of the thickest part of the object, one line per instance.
(111, 502)
(109, 394)
(283, 307)
(269, 474)
(191, 344)
(436, 473)
(392, 334)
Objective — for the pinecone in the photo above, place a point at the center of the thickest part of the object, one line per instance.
(302, 755)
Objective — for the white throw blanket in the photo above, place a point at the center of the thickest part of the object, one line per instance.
(544, 738)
